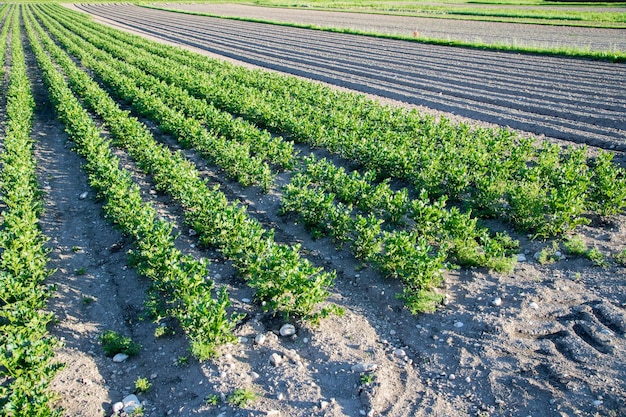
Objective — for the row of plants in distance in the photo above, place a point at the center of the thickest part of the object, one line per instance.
(284, 281)
(242, 151)
(26, 347)
(540, 188)
(181, 279)
(553, 189)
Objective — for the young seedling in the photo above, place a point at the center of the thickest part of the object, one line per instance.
(241, 397)
(575, 245)
(114, 343)
(142, 385)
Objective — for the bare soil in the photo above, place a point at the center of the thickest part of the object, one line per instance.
(554, 346)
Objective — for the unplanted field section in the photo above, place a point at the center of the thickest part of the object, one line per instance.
(572, 99)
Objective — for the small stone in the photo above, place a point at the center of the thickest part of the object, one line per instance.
(521, 257)
(451, 377)
(597, 403)
(459, 324)
(287, 330)
(362, 412)
(192, 232)
(497, 301)
(246, 300)
(280, 396)
(468, 379)
(120, 357)
(260, 339)
(392, 332)
(364, 367)
(533, 305)
(254, 375)
(273, 413)
(117, 407)
(276, 359)
(324, 405)
(399, 353)
(243, 339)
(131, 403)
(83, 195)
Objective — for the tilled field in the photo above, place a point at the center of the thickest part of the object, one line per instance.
(543, 36)
(572, 99)
(546, 339)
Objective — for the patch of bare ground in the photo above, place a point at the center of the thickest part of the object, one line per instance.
(545, 340)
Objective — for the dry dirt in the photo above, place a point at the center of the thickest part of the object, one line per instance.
(554, 346)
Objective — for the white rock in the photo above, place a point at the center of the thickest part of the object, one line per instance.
(260, 339)
(276, 359)
(521, 257)
(246, 300)
(324, 405)
(399, 353)
(273, 413)
(458, 324)
(117, 407)
(597, 403)
(451, 377)
(131, 403)
(497, 301)
(287, 330)
(120, 357)
(192, 232)
(243, 339)
(83, 195)
(364, 367)
(533, 305)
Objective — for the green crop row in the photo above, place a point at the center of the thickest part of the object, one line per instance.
(241, 149)
(458, 172)
(26, 347)
(407, 239)
(180, 278)
(284, 281)
(538, 187)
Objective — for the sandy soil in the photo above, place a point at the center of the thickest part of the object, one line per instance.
(553, 346)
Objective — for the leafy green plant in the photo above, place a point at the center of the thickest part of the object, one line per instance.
(575, 245)
(549, 254)
(142, 385)
(598, 258)
(114, 343)
(212, 399)
(242, 397)
(367, 378)
(163, 331)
